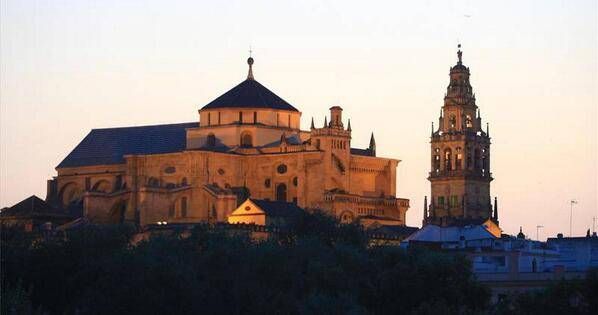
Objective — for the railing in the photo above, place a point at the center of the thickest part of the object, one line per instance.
(386, 201)
(468, 173)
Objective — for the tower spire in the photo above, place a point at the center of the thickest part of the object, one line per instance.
(425, 207)
(372, 147)
(325, 122)
(349, 125)
(312, 124)
(496, 209)
(250, 63)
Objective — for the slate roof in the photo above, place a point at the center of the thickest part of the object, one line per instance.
(435, 233)
(250, 94)
(278, 208)
(108, 146)
(29, 207)
(363, 152)
(395, 230)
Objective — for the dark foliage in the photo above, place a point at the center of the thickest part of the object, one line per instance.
(320, 267)
(563, 297)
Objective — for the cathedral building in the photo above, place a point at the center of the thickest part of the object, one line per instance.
(460, 159)
(248, 143)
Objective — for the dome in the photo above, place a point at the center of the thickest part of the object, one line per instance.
(250, 94)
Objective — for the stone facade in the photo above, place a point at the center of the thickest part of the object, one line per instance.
(460, 157)
(248, 143)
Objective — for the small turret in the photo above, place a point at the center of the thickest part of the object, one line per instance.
(372, 147)
(312, 124)
(250, 72)
(336, 117)
(425, 208)
(520, 235)
(325, 122)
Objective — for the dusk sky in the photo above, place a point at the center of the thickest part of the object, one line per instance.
(67, 67)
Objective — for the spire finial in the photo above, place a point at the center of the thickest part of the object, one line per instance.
(432, 133)
(372, 146)
(459, 53)
(349, 125)
(325, 121)
(312, 124)
(250, 63)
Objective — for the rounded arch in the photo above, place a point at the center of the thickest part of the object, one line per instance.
(180, 208)
(70, 193)
(246, 139)
(101, 185)
(281, 192)
(347, 217)
(447, 159)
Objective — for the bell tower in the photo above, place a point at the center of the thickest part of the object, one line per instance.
(460, 157)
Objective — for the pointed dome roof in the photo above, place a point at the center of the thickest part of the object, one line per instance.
(250, 94)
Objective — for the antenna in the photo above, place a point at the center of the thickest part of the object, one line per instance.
(572, 202)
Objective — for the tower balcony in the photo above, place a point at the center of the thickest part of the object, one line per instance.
(469, 174)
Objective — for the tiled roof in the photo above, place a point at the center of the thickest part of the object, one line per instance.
(363, 152)
(108, 146)
(250, 94)
(398, 230)
(278, 208)
(32, 206)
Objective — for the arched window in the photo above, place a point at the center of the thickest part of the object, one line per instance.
(211, 141)
(468, 122)
(453, 121)
(458, 159)
(184, 181)
(153, 182)
(246, 140)
(219, 118)
(184, 207)
(209, 119)
(476, 159)
(281, 192)
(437, 163)
(255, 117)
(447, 160)
(347, 217)
(240, 117)
(289, 121)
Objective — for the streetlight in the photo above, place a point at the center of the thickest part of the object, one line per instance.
(573, 201)
(538, 227)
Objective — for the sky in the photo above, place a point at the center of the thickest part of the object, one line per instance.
(69, 66)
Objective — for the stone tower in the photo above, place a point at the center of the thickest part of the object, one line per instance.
(460, 158)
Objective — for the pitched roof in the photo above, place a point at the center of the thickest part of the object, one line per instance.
(250, 94)
(363, 152)
(278, 208)
(32, 206)
(435, 233)
(108, 146)
(396, 230)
